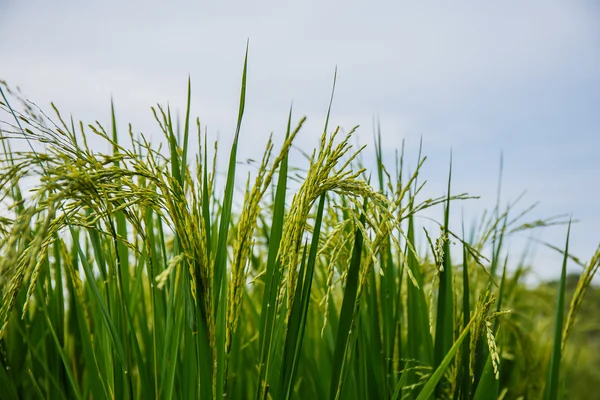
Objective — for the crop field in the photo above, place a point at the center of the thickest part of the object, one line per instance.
(137, 274)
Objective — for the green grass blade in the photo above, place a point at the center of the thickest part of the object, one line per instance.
(203, 341)
(80, 328)
(444, 329)
(220, 265)
(106, 318)
(36, 386)
(401, 384)
(122, 259)
(347, 316)
(553, 382)
(373, 330)
(7, 382)
(36, 355)
(420, 342)
(330, 100)
(273, 275)
(175, 161)
(435, 378)
(298, 315)
(488, 385)
(221, 251)
(67, 367)
(172, 349)
(466, 309)
(186, 131)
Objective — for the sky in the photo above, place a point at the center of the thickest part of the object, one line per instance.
(478, 79)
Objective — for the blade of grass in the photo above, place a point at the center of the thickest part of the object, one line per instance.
(420, 343)
(488, 385)
(347, 315)
(74, 386)
(186, 131)
(553, 382)
(444, 329)
(91, 280)
(220, 265)
(273, 275)
(466, 309)
(298, 316)
(435, 378)
(7, 382)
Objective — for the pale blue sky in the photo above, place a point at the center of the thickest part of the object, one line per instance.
(522, 78)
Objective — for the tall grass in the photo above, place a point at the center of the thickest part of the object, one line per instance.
(130, 275)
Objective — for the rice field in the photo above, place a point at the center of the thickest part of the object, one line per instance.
(134, 274)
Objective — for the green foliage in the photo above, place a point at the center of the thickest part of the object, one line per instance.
(130, 275)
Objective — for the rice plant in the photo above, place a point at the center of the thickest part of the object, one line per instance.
(134, 274)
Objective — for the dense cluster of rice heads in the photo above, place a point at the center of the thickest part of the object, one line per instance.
(131, 275)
